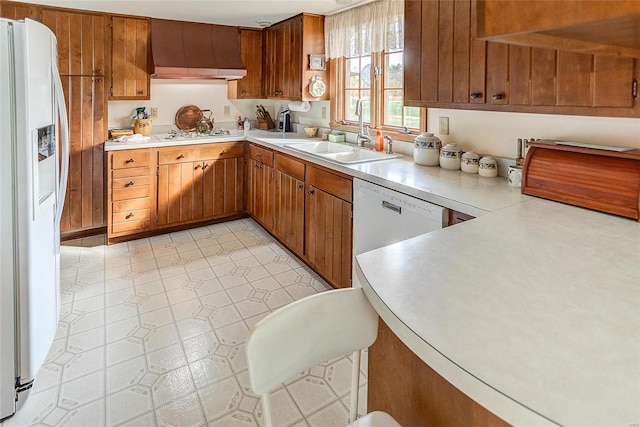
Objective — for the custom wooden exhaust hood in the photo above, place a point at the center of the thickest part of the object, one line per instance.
(195, 51)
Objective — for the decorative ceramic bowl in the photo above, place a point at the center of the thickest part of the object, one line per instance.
(310, 132)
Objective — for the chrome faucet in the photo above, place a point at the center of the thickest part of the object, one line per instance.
(389, 144)
(361, 139)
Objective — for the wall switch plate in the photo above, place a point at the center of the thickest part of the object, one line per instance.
(443, 125)
(227, 110)
(153, 111)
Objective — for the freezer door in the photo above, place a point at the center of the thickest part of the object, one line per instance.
(7, 227)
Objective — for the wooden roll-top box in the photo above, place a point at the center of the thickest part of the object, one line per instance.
(605, 180)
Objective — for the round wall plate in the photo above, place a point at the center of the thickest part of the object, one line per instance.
(317, 88)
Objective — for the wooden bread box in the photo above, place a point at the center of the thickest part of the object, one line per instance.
(606, 180)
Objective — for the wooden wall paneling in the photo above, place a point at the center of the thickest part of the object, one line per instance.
(412, 50)
(11, 10)
(519, 75)
(129, 55)
(575, 86)
(98, 137)
(197, 191)
(477, 63)
(497, 73)
(445, 52)
(543, 76)
(613, 77)
(461, 50)
(429, 58)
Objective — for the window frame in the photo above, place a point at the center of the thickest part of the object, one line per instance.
(338, 99)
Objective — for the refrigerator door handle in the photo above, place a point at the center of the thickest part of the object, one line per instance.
(64, 137)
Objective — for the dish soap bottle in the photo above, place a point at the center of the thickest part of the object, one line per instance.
(379, 144)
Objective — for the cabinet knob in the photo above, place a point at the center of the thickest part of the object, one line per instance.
(497, 96)
(223, 152)
(129, 184)
(277, 92)
(140, 92)
(311, 192)
(258, 155)
(244, 92)
(129, 161)
(98, 80)
(475, 95)
(299, 186)
(181, 156)
(129, 216)
(205, 165)
(198, 166)
(98, 71)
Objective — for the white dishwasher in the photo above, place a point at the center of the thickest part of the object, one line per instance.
(382, 216)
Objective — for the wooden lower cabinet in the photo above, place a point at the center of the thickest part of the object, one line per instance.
(261, 186)
(329, 226)
(401, 384)
(289, 202)
(151, 189)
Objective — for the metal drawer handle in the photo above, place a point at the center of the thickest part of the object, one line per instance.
(198, 166)
(475, 95)
(258, 155)
(129, 184)
(497, 96)
(397, 209)
(223, 152)
(129, 216)
(181, 156)
(205, 165)
(129, 161)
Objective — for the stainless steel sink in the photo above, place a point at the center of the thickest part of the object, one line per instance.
(341, 153)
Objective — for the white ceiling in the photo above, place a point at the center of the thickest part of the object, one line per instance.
(225, 12)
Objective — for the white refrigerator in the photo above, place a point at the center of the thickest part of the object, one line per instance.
(33, 169)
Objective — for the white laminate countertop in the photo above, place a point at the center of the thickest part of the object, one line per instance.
(533, 311)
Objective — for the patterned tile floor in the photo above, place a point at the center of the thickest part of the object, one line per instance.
(152, 333)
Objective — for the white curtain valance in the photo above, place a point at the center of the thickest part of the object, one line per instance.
(374, 27)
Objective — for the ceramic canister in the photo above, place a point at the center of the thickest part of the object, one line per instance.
(450, 157)
(488, 167)
(426, 149)
(469, 162)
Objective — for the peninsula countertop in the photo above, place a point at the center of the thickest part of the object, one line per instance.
(533, 311)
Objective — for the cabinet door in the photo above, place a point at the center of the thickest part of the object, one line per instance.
(81, 41)
(223, 187)
(84, 206)
(178, 191)
(251, 50)
(129, 58)
(328, 236)
(261, 193)
(284, 60)
(289, 211)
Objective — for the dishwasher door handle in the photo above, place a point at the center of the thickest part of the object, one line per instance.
(397, 209)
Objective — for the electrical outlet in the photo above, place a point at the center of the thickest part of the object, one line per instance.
(324, 112)
(443, 125)
(153, 111)
(227, 110)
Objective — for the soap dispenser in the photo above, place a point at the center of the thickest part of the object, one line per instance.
(379, 143)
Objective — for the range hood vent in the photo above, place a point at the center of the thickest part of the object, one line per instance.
(195, 51)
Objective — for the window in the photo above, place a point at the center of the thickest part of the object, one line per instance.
(366, 45)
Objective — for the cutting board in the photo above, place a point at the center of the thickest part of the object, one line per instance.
(603, 179)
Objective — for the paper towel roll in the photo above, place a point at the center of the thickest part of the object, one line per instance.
(302, 106)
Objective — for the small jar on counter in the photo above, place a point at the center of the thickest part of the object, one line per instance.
(488, 167)
(426, 149)
(469, 162)
(450, 157)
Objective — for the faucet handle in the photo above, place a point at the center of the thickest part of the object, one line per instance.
(389, 144)
(368, 133)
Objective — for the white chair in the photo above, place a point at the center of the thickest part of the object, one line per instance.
(310, 331)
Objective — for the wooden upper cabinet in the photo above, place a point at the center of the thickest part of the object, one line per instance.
(586, 26)
(81, 41)
(129, 58)
(288, 45)
(11, 10)
(250, 86)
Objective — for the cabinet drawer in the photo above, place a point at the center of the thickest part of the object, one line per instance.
(131, 215)
(131, 205)
(130, 182)
(292, 167)
(129, 226)
(260, 154)
(130, 173)
(177, 155)
(332, 184)
(222, 150)
(129, 193)
(126, 159)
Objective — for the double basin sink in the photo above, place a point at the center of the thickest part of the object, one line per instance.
(333, 151)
